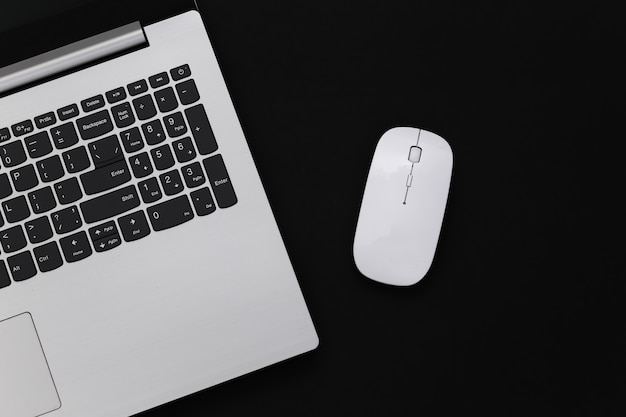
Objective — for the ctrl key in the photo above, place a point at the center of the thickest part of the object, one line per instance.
(22, 266)
(76, 247)
(48, 257)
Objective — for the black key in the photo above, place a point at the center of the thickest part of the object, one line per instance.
(16, 209)
(68, 112)
(48, 257)
(184, 150)
(220, 181)
(38, 230)
(171, 182)
(162, 157)
(75, 247)
(12, 154)
(64, 136)
(175, 125)
(76, 160)
(5, 186)
(22, 128)
(193, 175)
(116, 95)
(134, 226)
(153, 132)
(105, 178)
(170, 213)
(5, 134)
(159, 80)
(92, 103)
(50, 169)
(68, 191)
(137, 87)
(13, 239)
(202, 201)
(131, 139)
(22, 266)
(106, 243)
(188, 92)
(181, 72)
(94, 125)
(166, 99)
(140, 165)
(150, 190)
(123, 115)
(5, 279)
(105, 151)
(144, 107)
(24, 178)
(66, 220)
(42, 200)
(38, 144)
(111, 204)
(103, 230)
(201, 129)
(45, 120)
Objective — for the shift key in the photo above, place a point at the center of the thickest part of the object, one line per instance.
(110, 204)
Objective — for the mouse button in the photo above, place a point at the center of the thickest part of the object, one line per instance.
(415, 153)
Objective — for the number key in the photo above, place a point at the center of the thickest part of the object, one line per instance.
(175, 125)
(172, 184)
(153, 132)
(162, 157)
(141, 165)
(131, 139)
(150, 191)
(193, 175)
(184, 150)
(12, 154)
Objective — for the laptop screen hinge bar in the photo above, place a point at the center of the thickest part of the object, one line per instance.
(74, 55)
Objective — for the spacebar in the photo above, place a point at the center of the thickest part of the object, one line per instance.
(110, 204)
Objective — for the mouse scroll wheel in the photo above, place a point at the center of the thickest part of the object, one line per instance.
(415, 153)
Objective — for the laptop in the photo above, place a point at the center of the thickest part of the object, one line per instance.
(139, 258)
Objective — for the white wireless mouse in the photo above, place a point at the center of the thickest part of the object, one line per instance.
(403, 205)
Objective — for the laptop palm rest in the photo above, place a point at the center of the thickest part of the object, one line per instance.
(31, 391)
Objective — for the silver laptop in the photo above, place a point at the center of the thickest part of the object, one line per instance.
(139, 257)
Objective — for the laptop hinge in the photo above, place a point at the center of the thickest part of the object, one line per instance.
(74, 55)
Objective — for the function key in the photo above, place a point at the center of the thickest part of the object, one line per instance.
(68, 112)
(137, 87)
(4, 134)
(45, 120)
(116, 95)
(92, 103)
(22, 128)
(159, 80)
(181, 72)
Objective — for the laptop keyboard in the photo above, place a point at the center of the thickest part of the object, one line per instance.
(154, 130)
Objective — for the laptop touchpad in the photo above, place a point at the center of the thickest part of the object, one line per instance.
(26, 386)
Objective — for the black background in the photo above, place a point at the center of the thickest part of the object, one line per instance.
(523, 310)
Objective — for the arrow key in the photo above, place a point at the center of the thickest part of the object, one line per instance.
(103, 230)
(106, 243)
(134, 226)
(76, 247)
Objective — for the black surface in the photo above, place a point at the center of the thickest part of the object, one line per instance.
(522, 312)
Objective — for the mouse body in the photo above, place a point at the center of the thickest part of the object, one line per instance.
(403, 206)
